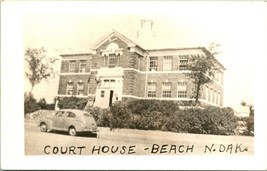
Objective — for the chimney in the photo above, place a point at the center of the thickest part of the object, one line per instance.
(146, 31)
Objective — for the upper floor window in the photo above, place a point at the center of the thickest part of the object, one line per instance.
(153, 63)
(82, 67)
(183, 62)
(69, 88)
(166, 89)
(80, 88)
(151, 89)
(181, 89)
(72, 66)
(111, 60)
(167, 63)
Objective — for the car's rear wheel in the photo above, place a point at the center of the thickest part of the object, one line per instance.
(72, 131)
(43, 127)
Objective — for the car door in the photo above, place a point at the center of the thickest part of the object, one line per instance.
(70, 119)
(58, 120)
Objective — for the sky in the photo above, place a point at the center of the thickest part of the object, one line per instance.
(239, 28)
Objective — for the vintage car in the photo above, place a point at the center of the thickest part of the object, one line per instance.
(71, 120)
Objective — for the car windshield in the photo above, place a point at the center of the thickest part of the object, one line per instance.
(87, 115)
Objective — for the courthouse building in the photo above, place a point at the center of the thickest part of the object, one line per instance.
(116, 68)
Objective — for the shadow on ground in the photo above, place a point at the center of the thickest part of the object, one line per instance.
(83, 134)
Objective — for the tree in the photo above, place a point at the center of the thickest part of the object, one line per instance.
(39, 66)
(251, 108)
(202, 70)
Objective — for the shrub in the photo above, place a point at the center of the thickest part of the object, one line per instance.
(101, 116)
(30, 103)
(72, 103)
(44, 105)
(250, 126)
(146, 106)
(120, 115)
(166, 116)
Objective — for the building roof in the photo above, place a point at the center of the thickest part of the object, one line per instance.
(76, 51)
(102, 40)
(155, 44)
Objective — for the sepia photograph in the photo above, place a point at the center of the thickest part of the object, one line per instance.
(162, 80)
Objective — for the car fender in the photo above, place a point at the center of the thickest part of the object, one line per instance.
(47, 121)
(78, 125)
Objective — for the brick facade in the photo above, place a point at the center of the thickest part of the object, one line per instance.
(129, 74)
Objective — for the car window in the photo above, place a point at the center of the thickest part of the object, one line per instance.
(71, 115)
(59, 114)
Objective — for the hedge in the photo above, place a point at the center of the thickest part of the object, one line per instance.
(166, 116)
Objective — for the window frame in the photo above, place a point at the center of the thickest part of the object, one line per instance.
(166, 90)
(113, 57)
(72, 65)
(151, 91)
(167, 63)
(153, 63)
(82, 62)
(182, 90)
(80, 88)
(183, 61)
(102, 93)
(71, 84)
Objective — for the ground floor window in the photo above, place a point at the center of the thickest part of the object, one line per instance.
(181, 89)
(80, 88)
(166, 89)
(102, 93)
(69, 88)
(151, 89)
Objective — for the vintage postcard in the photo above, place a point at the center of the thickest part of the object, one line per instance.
(163, 84)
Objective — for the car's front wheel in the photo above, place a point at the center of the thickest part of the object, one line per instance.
(43, 127)
(72, 131)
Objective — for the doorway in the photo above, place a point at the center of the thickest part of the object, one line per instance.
(110, 97)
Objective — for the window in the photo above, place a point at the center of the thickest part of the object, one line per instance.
(207, 93)
(71, 115)
(82, 66)
(72, 66)
(219, 98)
(59, 114)
(111, 60)
(109, 83)
(153, 64)
(215, 97)
(211, 95)
(112, 83)
(181, 88)
(80, 88)
(221, 78)
(167, 63)
(102, 93)
(183, 62)
(87, 115)
(151, 89)
(166, 89)
(70, 88)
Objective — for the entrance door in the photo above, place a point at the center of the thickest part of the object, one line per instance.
(110, 97)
